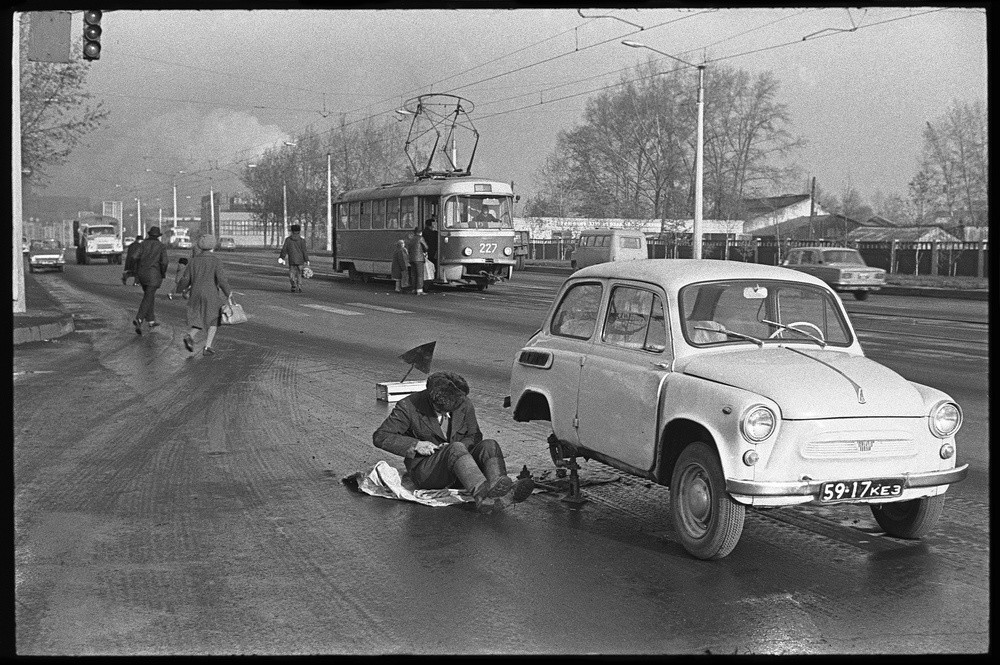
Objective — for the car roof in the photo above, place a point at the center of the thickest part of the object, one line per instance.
(675, 273)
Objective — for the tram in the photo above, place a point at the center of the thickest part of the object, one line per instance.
(475, 228)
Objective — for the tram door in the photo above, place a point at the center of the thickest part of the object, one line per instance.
(428, 208)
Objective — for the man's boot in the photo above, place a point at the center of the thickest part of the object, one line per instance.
(496, 472)
(473, 479)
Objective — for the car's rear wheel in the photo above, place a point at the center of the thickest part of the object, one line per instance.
(709, 523)
(909, 519)
(861, 295)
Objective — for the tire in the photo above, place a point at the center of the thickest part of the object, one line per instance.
(481, 284)
(861, 295)
(31, 268)
(909, 519)
(708, 522)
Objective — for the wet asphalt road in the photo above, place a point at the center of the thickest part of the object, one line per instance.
(169, 503)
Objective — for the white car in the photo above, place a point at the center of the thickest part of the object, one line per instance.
(736, 385)
(45, 255)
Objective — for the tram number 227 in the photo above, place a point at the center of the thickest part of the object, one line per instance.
(487, 247)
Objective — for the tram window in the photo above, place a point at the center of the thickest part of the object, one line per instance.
(378, 214)
(342, 216)
(392, 214)
(406, 213)
(478, 212)
(352, 220)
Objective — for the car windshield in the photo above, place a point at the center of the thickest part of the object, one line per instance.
(478, 212)
(100, 230)
(45, 244)
(843, 256)
(768, 311)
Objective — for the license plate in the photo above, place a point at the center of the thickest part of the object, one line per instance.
(849, 490)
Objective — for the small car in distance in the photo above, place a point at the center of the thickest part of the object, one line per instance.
(842, 268)
(45, 255)
(601, 245)
(227, 243)
(733, 384)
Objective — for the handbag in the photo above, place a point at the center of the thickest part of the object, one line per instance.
(232, 313)
(428, 270)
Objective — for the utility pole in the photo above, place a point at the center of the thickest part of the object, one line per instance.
(812, 207)
(16, 174)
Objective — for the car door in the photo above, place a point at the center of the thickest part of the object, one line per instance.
(571, 332)
(623, 376)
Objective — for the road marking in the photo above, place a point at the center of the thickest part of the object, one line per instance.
(391, 310)
(334, 310)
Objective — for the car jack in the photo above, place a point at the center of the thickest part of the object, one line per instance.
(564, 457)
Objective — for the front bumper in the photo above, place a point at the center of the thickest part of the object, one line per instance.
(811, 488)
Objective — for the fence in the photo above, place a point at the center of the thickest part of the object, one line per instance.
(965, 259)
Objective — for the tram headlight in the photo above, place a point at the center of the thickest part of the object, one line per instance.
(507, 251)
(466, 251)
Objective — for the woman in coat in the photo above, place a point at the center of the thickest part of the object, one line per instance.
(401, 265)
(205, 277)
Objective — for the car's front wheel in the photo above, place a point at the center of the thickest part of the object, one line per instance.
(909, 519)
(708, 521)
(861, 295)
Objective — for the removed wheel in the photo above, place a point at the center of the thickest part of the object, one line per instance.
(909, 519)
(709, 523)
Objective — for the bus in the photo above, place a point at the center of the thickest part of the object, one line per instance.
(475, 228)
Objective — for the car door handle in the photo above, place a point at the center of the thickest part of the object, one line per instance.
(661, 365)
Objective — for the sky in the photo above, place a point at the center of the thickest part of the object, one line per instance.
(196, 91)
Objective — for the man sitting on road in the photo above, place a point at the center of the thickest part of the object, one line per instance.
(437, 433)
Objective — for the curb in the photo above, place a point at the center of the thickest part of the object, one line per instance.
(44, 329)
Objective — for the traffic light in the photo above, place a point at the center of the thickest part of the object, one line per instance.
(92, 34)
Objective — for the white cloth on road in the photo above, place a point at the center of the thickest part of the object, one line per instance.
(384, 481)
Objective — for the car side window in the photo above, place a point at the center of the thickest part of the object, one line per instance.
(576, 315)
(635, 320)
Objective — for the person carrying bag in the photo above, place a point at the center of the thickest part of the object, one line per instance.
(232, 313)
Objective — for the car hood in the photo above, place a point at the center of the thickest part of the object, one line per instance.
(813, 383)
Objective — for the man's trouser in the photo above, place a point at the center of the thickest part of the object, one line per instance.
(438, 471)
(295, 276)
(147, 306)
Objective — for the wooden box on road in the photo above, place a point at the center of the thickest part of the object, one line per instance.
(393, 391)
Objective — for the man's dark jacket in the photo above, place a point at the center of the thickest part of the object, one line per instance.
(152, 262)
(414, 419)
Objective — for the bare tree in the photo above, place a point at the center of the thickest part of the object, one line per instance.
(633, 154)
(955, 165)
(56, 112)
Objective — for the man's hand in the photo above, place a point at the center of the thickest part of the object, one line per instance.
(425, 448)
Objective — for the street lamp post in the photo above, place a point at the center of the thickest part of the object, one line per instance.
(173, 180)
(699, 164)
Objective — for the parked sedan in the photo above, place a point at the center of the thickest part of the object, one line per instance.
(736, 385)
(842, 268)
(45, 255)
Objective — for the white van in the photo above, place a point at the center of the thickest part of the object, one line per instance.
(603, 245)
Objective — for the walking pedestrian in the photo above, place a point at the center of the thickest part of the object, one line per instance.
(294, 252)
(436, 432)
(417, 248)
(205, 277)
(150, 269)
(401, 265)
(131, 253)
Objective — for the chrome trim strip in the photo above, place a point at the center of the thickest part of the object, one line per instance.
(812, 487)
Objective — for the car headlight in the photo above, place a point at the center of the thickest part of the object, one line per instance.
(847, 275)
(466, 251)
(507, 251)
(757, 423)
(945, 419)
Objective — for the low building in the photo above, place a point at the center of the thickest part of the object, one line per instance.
(826, 226)
(770, 211)
(547, 228)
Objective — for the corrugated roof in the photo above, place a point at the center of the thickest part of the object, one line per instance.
(911, 233)
(771, 203)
